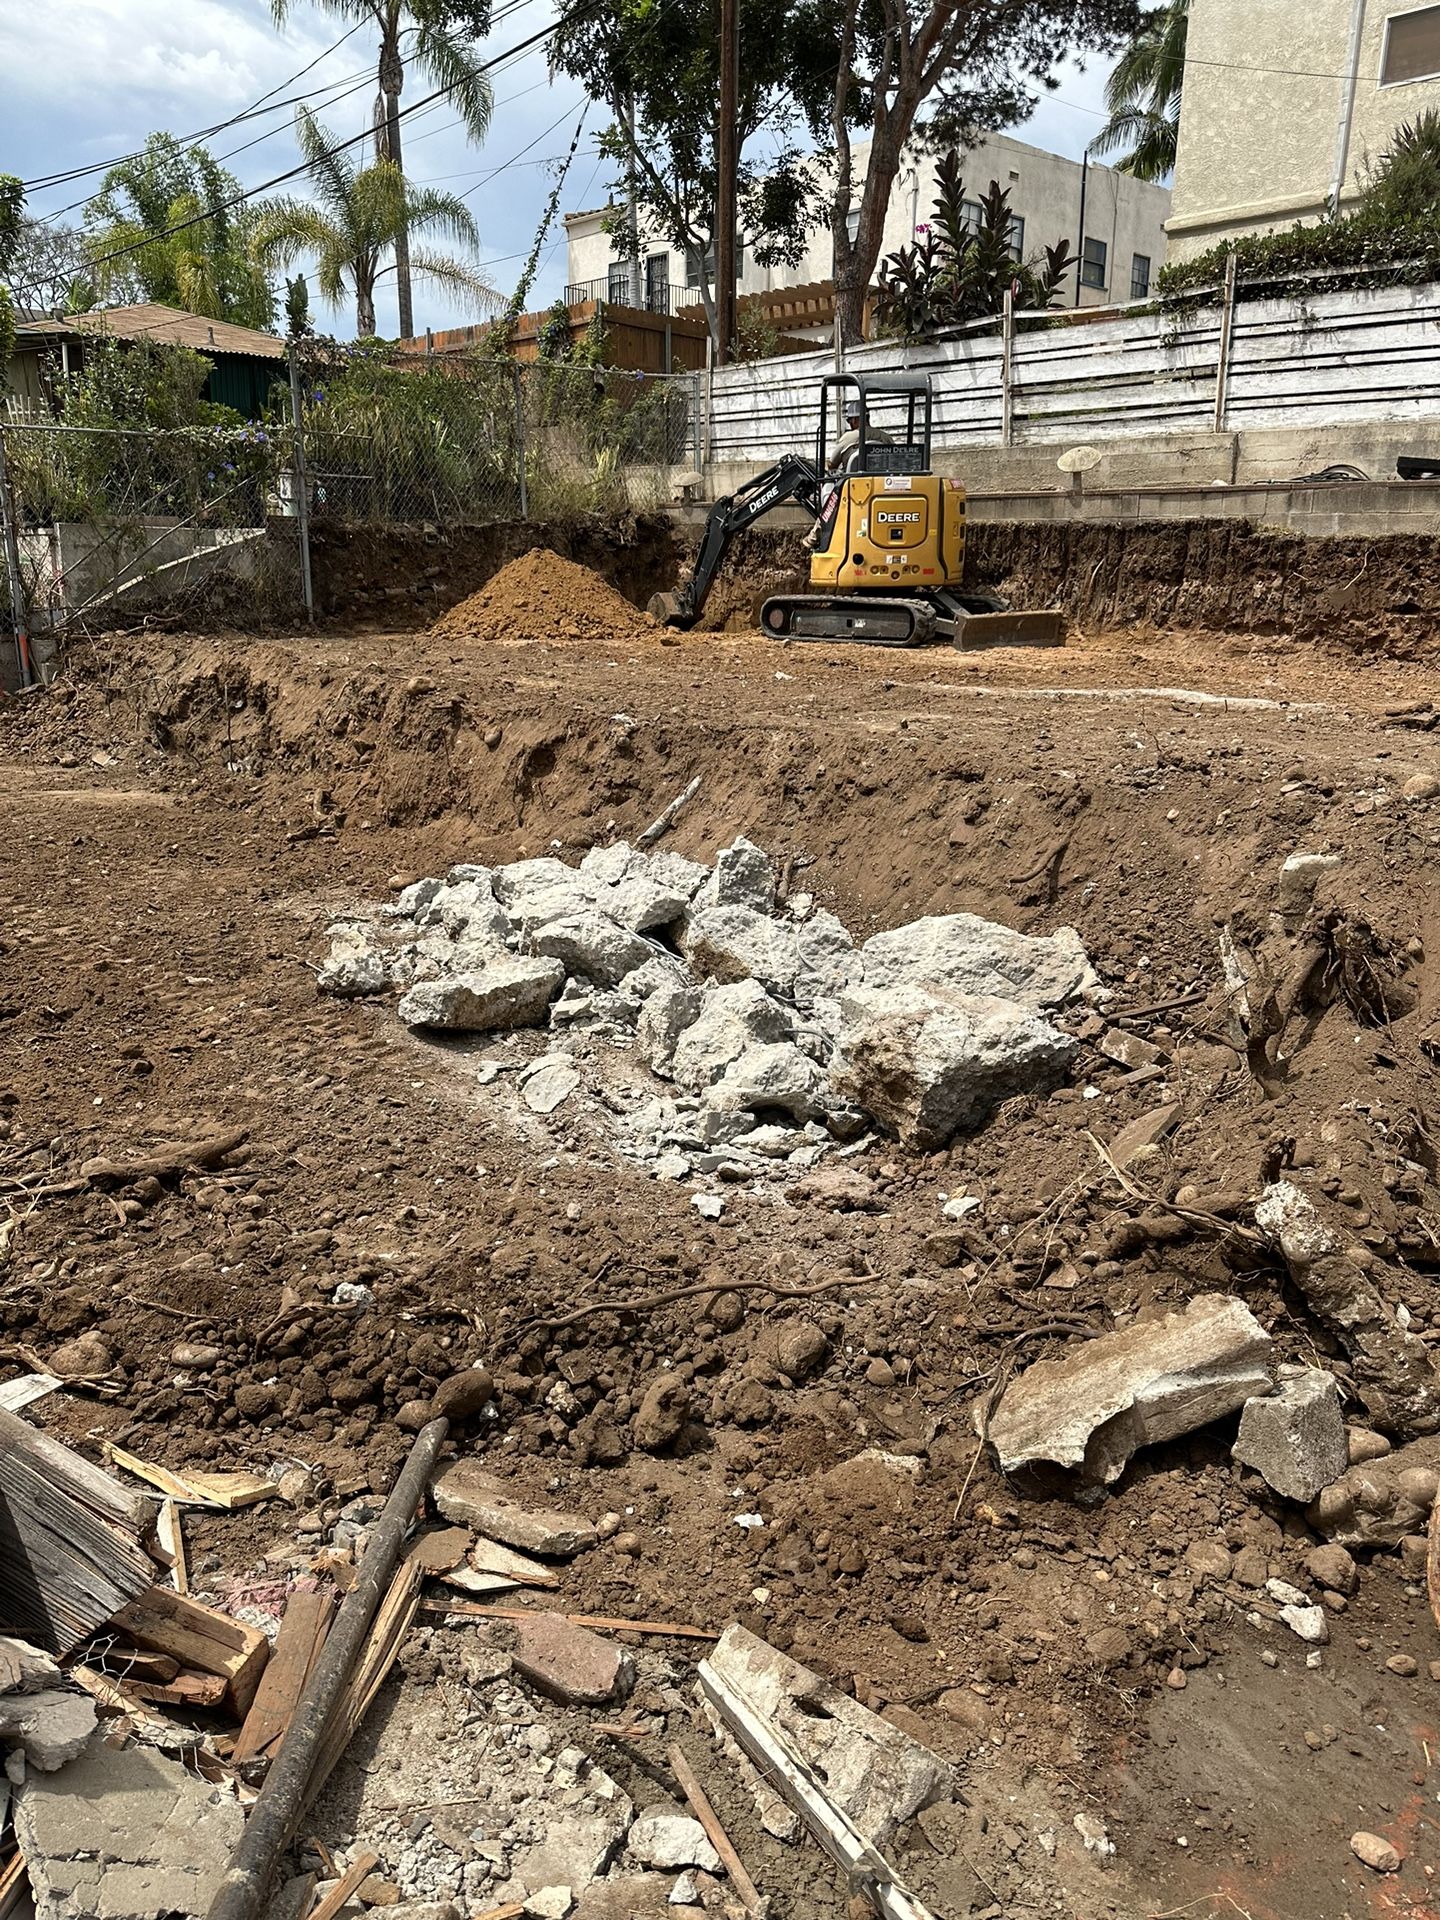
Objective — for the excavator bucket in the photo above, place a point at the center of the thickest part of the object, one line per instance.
(665, 607)
(1012, 628)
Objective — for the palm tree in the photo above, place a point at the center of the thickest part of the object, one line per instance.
(1142, 95)
(354, 221)
(442, 46)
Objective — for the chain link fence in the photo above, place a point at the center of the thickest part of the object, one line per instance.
(102, 525)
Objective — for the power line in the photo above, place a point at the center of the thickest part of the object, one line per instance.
(339, 146)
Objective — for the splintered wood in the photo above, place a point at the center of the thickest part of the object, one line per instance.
(70, 1540)
(297, 1648)
(199, 1638)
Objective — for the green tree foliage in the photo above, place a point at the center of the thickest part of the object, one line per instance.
(437, 38)
(958, 272)
(934, 73)
(135, 251)
(12, 203)
(351, 226)
(1142, 95)
(666, 58)
(297, 308)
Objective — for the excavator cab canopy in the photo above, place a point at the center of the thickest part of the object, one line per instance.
(907, 450)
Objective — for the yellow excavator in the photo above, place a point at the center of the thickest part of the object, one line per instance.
(888, 548)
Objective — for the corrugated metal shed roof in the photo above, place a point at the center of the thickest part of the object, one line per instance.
(151, 322)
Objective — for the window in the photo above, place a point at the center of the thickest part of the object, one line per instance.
(1412, 47)
(657, 283)
(618, 291)
(972, 214)
(1140, 277)
(1092, 263)
(692, 263)
(1017, 236)
(852, 224)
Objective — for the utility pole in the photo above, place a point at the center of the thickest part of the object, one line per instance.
(387, 147)
(727, 160)
(632, 213)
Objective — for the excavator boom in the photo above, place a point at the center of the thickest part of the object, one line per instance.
(791, 478)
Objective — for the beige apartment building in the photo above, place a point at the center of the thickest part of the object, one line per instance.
(1124, 230)
(1286, 105)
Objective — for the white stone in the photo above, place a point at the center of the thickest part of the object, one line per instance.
(1286, 1594)
(709, 1206)
(825, 959)
(534, 891)
(413, 899)
(608, 866)
(591, 944)
(550, 1903)
(470, 911)
(731, 1018)
(966, 954)
(509, 991)
(638, 903)
(669, 1010)
(766, 1076)
(1308, 1622)
(669, 1841)
(355, 965)
(549, 1086)
(1295, 1438)
(1299, 877)
(673, 870)
(734, 942)
(743, 876)
(685, 1892)
(1152, 1381)
(927, 1065)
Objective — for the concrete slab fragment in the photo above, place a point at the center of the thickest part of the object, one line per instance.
(465, 1493)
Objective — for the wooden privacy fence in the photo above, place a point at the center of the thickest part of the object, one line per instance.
(1324, 358)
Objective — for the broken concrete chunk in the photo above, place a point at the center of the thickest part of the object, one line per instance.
(550, 1085)
(580, 1840)
(355, 964)
(569, 1663)
(1295, 1437)
(878, 1776)
(674, 871)
(465, 1493)
(775, 1077)
(743, 877)
(740, 943)
(639, 903)
(592, 945)
(122, 1833)
(731, 1018)
(608, 866)
(49, 1725)
(824, 959)
(670, 1841)
(928, 1065)
(968, 955)
(1299, 877)
(510, 992)
(413, 900)
(1154, 1380)
(669, 1009)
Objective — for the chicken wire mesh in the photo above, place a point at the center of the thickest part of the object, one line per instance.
(107, 523)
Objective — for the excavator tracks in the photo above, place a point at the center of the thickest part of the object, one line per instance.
(850, 617)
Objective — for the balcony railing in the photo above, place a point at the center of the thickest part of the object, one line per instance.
(617, 289)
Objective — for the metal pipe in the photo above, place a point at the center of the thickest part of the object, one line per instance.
(1080, 245)
(272, 1819)
(1347, 105)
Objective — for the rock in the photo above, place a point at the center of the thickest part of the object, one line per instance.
(550, 1903)
(709, 1206)
(1129, 1050)
(124, 1833)
(725, 1311)
(877, 1775)
(463, 1395)
(970, 956)
(738, 943)
(550, 1085)
(470, 913)
(534, 891)
(412, 1415)
(84, 1357)
(800, 1348)
(685, 1892)
(641, 904)
(605, 867)
(1151, 1381)
(1295, 1437)
(731, 1018)
(570, 1664)
(927, 1065)
(1145, 1131)
(665, 1015)
(413, 899)
(662, 1412)
(1378, 1503)
(1375, 1852)
(824, 959)
(1414, 1555)
(1403, 1664)
(1108, 1646)
(425, 1909)
(671, 1841)
(504, 993)
(583, 1827)
(465, 1493)
(1309, 1622)
(1209, 1559)
(195, 1357)
(742, 877)
(675, 871)
(1363, 1445)
(49, 1720)
(254, 1401)
(777, 1076)
(1421, 786)
(1333, 1568)
(355, 965)
(1299, 877)
(593, 946)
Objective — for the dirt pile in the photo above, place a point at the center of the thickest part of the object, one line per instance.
(542, 597)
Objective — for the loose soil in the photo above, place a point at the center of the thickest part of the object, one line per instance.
(183, 816)
(542, 597)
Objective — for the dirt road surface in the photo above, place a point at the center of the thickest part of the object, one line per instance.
(182, 819)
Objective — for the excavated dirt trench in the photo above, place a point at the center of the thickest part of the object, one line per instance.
(186, 813)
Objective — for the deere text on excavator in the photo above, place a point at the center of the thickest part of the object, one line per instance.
(888, 550)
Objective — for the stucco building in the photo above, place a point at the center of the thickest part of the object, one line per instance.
(1286, 107)
(1124, 229)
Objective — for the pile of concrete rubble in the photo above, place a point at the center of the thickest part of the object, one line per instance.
(771, 1033)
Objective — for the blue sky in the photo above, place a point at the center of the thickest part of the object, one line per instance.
(87, 81)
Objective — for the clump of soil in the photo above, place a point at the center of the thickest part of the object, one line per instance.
(542, 597)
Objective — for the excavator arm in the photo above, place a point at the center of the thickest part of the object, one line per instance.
(791, 478)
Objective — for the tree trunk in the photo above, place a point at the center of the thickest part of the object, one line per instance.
(392, 81)
(855, 267)
(365, 308)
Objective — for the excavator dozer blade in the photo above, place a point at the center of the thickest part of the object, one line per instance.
(1009, 629)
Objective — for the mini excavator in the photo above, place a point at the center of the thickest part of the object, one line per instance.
(888, 552)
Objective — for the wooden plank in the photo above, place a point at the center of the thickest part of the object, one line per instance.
(200, 1637)
(172, 1544)
(700, 1806)
(14, 1885)
(302, 1634)
(340, 1894)
(236, 1487)
(387, 1632)
(70, 1536)
(603, 1622)
(195, 1690)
